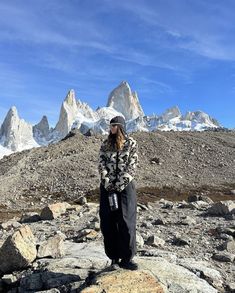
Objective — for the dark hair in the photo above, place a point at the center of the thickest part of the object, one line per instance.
(116, 141)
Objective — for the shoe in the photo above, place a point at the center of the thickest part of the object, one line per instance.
(129, 265)
(115, 261)
(114, 265)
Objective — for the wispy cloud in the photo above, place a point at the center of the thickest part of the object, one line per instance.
(143, 59)
(202, 27)
(28, 27)
(160, 87)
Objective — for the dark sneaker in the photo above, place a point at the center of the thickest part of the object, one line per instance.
(114, 265)
(115, 261)
(129, 265)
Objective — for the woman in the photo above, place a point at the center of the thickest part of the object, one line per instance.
(117, 164)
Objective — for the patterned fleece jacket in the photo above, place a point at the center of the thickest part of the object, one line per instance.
(117, 168)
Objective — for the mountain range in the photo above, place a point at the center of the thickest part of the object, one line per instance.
(16, 134)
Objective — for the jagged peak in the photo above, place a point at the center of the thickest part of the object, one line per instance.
(124, 85)
(70, 97)
(43, 120)
(124, 101)
(81, 103)
(13, 111)
(174, 110)
(44, 117)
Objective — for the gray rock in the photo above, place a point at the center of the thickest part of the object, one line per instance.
(159, 221)
(186, 220)
(81, 200)
(10, 224)
(204, 270)
(18, 251)
(53, 211)
(231, 287)
(206, 199)
(139, 240)
(86, 234)
(175, 278)
(229, 246)
(155, 241)
(53, 247)
(147, 225)
(224, 257)
(9, 279)
(142, 206)
(226, 230)
(199, 197)
(199, 205)
(183, 205)
(167, 255)
(181, 240)
(95, 226)
(30, 217)
(222, 208)
(193, 197)
(166, 204)
(78, 255)
(49, 279)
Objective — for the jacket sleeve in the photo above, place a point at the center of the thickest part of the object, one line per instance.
(104, 174)
(128, 173)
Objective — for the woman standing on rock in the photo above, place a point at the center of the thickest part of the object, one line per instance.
(117, 164)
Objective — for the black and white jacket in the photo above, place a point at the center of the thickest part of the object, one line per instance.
(117, 168)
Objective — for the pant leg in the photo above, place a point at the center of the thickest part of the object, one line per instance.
(127, 222)
(108, 226)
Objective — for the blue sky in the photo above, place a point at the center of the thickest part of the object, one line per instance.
(172, 52)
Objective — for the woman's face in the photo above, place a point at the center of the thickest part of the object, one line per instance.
(113, 128)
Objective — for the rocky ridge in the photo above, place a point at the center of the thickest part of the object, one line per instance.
(183, 246)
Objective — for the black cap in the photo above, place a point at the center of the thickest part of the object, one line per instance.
(120, 121)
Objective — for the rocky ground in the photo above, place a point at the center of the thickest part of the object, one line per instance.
(182, 247)
(185, 241)
(172, 164)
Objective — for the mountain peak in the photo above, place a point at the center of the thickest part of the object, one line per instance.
(44, 121)
(124, 101)
(41, 131)
(70, 99)
(171, 113)
(13, 112)
(68, 114)
(15, 132)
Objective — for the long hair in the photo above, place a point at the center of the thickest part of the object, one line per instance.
(116, 141)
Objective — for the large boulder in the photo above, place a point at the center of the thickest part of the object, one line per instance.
(53, 211)
(222, 208)
(53, 247)
(125, 281)
(18, 251)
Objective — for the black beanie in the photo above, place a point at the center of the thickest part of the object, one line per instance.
(120, 121)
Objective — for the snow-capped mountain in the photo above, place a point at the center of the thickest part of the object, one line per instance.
(16, 134)
(41, 131)
(124, 101)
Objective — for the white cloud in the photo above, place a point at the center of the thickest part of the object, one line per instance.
(204, 28)
(32, 27)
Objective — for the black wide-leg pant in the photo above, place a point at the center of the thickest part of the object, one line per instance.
(119, 227)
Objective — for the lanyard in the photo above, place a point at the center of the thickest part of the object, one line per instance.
(117, 166)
